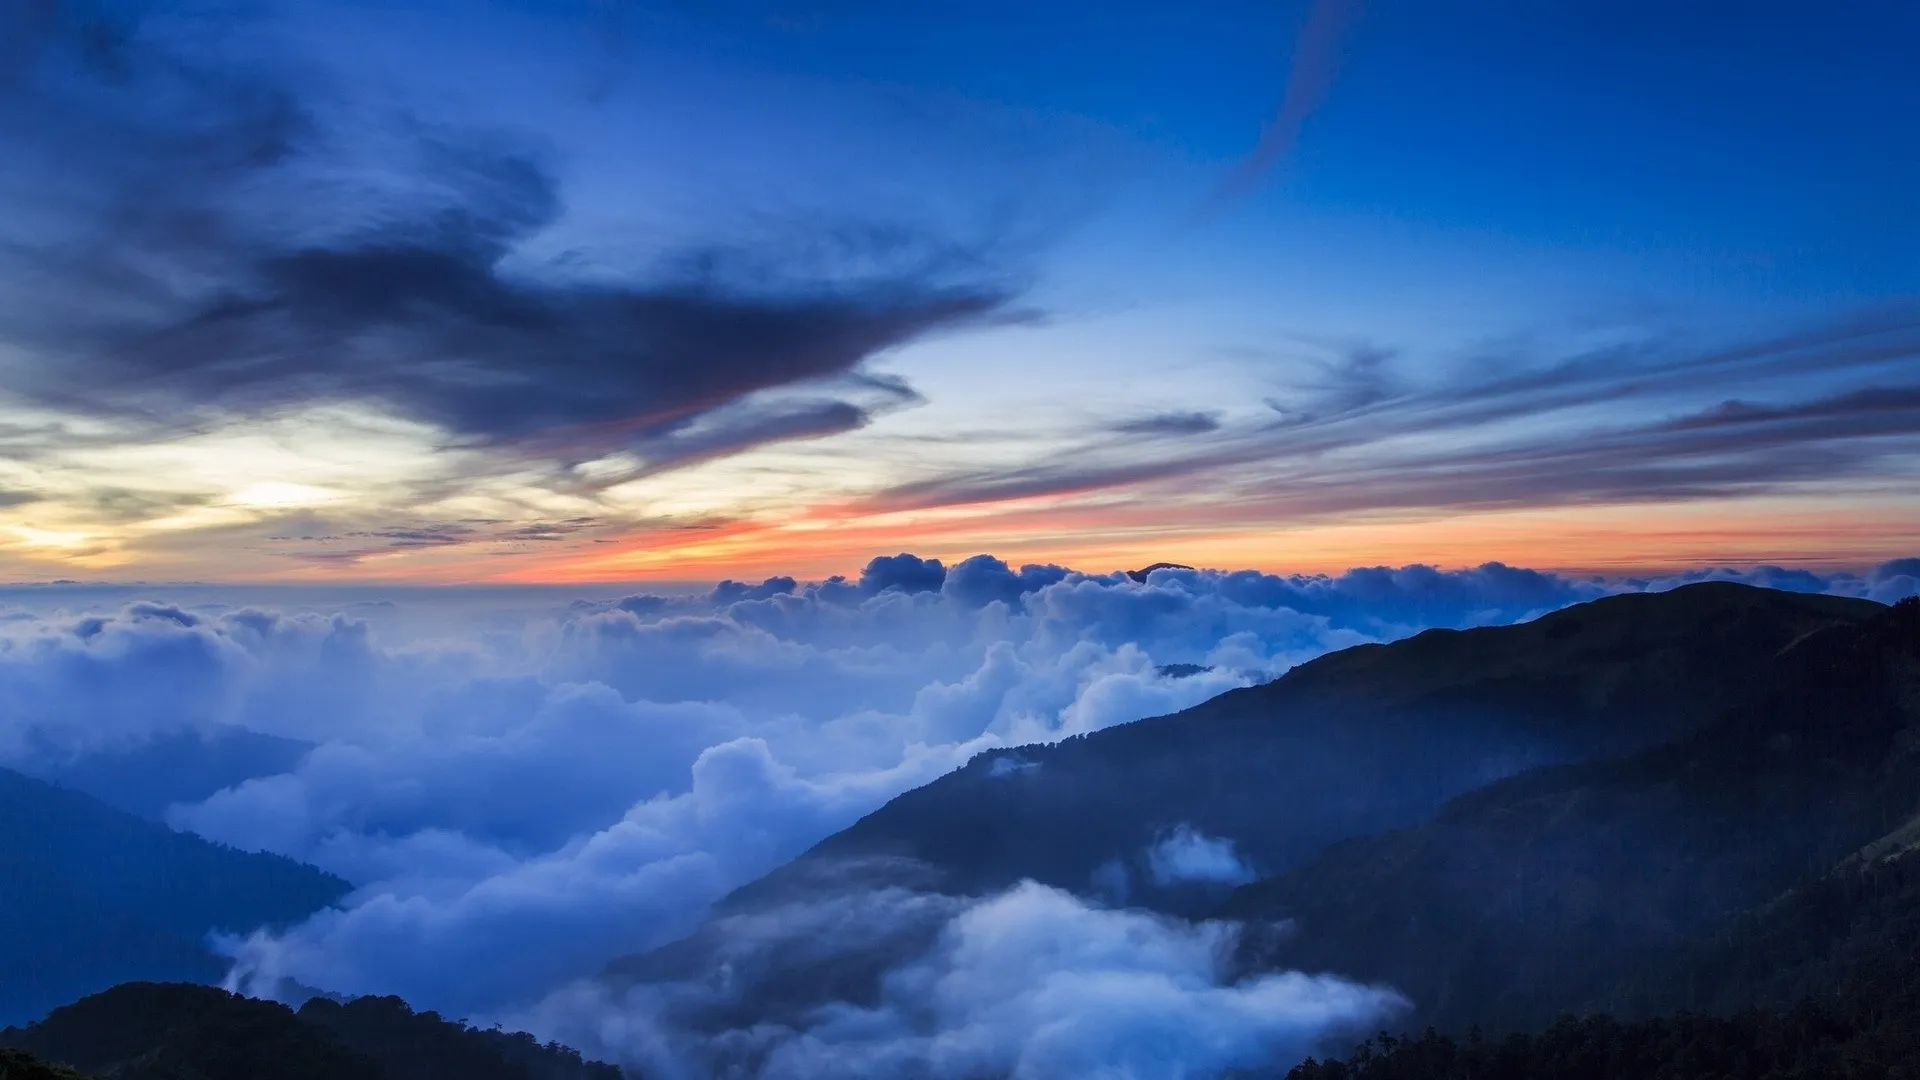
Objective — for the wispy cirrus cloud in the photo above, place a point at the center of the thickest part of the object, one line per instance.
(1316, 54)
(247, 298)
(194, 275)
(1647, 422)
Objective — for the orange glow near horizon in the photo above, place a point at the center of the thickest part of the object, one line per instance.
(1602, 540)
(1117, 530)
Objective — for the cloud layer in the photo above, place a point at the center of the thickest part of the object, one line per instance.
(524, 787)
(211, 264)
(1029, 984)
(216, 238)
(1638, 422)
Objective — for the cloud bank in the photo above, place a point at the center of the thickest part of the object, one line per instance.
(1031, 983)
(1638, 422)
(524, 786)
(1185, 855)
(255, 292)
(222, 236)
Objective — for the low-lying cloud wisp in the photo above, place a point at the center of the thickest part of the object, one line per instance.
(1029, 983)
(1187, 855)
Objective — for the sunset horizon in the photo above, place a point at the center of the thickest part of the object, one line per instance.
(541, 310)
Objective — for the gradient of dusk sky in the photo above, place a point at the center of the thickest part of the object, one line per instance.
(1589, 285)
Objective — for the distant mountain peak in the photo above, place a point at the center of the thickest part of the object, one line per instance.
(1141, 574)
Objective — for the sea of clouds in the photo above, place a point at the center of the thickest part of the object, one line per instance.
(1032, 983)
(523, 784)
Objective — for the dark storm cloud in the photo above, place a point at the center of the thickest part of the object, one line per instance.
(1895, 568)
(202, 235)
(1171, 423)
(1357, 440)
(446, 535)
(548, 531)
(905, 572)
(734, 427)
(441, 333)
(490, 533)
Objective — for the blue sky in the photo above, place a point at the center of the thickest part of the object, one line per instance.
(955, 278)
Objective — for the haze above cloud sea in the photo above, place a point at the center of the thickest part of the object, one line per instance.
(526, 784)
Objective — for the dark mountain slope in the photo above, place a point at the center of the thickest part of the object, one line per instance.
(172, 767)
(160, 1031)
(1841, 940)
(57, 942)
(1806, 1043)
(1822, 982)
(1546, 891)
(19, 1065)
(1370, 738)
(425, 1046)
(95, 896)
(178, 1031)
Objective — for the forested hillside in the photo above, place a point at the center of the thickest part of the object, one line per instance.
(1370, 738)
(1550, 890)
(177, 1031)
(97, 896)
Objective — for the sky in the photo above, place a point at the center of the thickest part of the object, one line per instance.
(599, 291)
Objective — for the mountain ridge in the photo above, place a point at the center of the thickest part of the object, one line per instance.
(1371, 737)
(1725, 637)
(183, 1031)
(98, 896)
(1559, 888)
